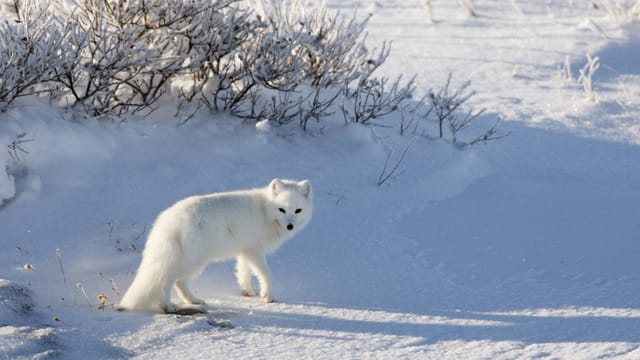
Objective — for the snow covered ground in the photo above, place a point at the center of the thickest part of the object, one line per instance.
(526, 247)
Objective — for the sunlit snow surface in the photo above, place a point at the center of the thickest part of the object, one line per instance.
(525, 247)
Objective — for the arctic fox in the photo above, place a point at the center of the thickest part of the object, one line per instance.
(186, 237)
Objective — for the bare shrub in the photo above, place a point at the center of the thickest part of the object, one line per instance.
(586, 74)
(301, 58)
(122, 56)
(29, 46)
(374, 97)
(287, 62)
(447, 107)
(216, 68)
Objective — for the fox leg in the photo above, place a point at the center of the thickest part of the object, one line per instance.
(165, 304)
(185, 294)
(258, 265)
(243, 274)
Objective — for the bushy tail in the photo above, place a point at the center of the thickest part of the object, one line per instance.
(146, 293)
(156, 274)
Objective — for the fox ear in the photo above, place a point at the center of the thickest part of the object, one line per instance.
(305, 188)
(275, 186)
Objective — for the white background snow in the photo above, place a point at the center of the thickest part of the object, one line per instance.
(526, 247)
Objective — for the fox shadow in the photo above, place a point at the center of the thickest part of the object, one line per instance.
(437, 326)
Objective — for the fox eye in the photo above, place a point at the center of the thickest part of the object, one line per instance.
(298, 211)
(282, 210)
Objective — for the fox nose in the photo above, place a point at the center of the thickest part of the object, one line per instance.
(290, 227)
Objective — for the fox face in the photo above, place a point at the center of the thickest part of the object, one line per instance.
(291, 203)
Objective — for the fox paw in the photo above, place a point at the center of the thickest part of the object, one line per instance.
(196, 301)
(267, 299)
(170, 308)
(248, 293)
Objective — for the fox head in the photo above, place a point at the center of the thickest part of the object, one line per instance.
(291, 203)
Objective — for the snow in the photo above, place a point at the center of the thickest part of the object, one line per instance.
(7, 184)
(525, 247)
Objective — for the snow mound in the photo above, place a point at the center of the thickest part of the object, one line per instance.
(26, 334)
(21, 336)
(16, 304)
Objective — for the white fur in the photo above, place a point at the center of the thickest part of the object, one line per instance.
(195, 231)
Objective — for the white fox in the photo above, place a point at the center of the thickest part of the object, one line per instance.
(246, 224)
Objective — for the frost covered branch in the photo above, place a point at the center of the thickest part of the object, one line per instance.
(490, 134)
(374, 97)
(123, 56)
(299, 61)
(447, 107)
(28, 48)
(13, 167)
(386, 174)
(284, 61)
(586, 74)
(623, 10)
(410, 114)
(445, 104)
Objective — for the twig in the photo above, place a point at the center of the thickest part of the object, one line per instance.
(59, 255)
(490, 134)
(15, 149)
(114, 288)
(384, 176)
(586, 74)
(79, 285)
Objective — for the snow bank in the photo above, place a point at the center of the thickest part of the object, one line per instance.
(22, 335)
(25, 332)
(16, 303)
(524, 248)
